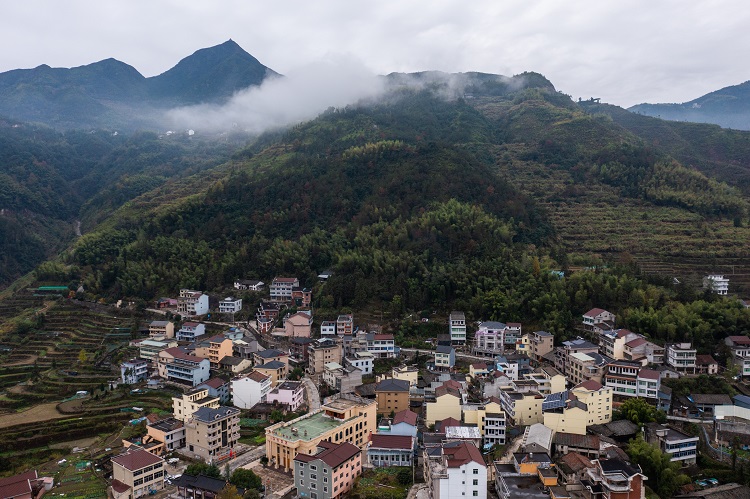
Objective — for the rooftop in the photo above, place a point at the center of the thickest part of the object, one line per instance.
(332, 454)
(380, 441)
(136, 459)
(392, 385)
(308, 428)
(208, 415)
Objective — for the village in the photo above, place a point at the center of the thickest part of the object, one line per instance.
(482, 410)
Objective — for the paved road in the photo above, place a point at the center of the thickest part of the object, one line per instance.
(462, 356)
(313, 395)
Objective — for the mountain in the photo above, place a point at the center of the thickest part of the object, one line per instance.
(113, 95)
(728, 107)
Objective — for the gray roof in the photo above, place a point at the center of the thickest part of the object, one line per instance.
(270, 354)
(392, 385)
(208, 415)
(493, 325)
(274, 364)
(711, 398)
(444, 349)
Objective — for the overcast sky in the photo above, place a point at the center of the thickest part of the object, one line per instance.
(624, 51)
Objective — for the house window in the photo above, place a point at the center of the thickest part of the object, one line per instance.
(314, 468)
(475, 471)
(313, 476)
(476, 482)
(475, 493)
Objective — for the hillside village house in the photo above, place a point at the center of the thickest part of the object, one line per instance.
(448, 400)
(281, 288)
(572, 411)
(185, 405)
(455, 469)
(392, 395)
(149, 349)
(457, 328)
(191, 303)
(445, 358)
(212, 433)
(250, 389)
(598, 320)
(403, 423)
(134, 371)
(716, 283)
(629, 379)
(169, 431)
(345, 325)
(161, 329)
(249, 284)
(177, 365)
(299, 324)
(327, 328)
(190, 331)
(276, 370)
(385, 450)
(217, 387)
(489, 419)
(614, 479)
(289, 395)
(586, 366)
(364, 361)
(740, 346)
(522, 409)
(301, 297)
(345, 418)
(270, 355)
(321, 353)
(563, 353)
(681, 357)
(536, 344)
(214, 349)
(329, 473)
(680, 446)
(493, 338)
(230, 305)
(136, 473)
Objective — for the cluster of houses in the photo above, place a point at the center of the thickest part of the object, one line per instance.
(191, 303)
(558, 401)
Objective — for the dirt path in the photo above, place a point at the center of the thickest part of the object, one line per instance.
(42, 412)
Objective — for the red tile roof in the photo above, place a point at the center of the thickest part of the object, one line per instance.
(479, 365)
(576, 462)
(589, 385)
(648, 374)
(381, 441)
(119, 487)
(452, 384)
(594, 312)
(704, 360)
(21, 478)
(460, 453)
(179, 353)
(383, 336)
(136, 459)
(443, 390)
(447, 423)
(636, 342)
(287, 280)
(333, 454)
(405, 416)
(740, 340)
(215, 383)
(258, 376)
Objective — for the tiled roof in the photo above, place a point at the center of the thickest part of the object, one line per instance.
(381, 441)
(179, 353)
(136, 459)
(392, 385)
(270, 354)
(120, 487)
(257, 376)
(589, 385)
(648, 374)
(636, 342)
(594, 312)
(208, 415)
(443, 390)
(444, 349)
(704, 360)
(479, 365)
(461, 453)
(405, 416)
(286, 280)
(576, 462)
(333, 454)
(441, 426)
(274, 364)
(383, 336)
(711, 398)
(574, 440)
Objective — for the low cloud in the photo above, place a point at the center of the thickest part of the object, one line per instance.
(300, 95)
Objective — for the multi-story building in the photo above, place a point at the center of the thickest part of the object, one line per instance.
(169, 431)
(489, 419)
(267, 315)
(301, 297)
(218, 388)
(191, 303)
(457, 328)
(706, 364)
(392, 395)
(540, 343)
(270, 355)
(250, 389)
(522, 409)
(327, 328)
(299, 324)
(281, 289)
(716, 283)
(403, 423)
(214, 349)
(643, 351)
(574, 410)
(345, 325)
(321, 353)
(598, 320)
(364, 361)
(184, 406)
(149, 349)
(177, 365)
(137, 473)
(680, 446)
(344, 379)
(230, 305)
(493, 338)
(247, 284)
(134, 371)
(612, 342)
(212, 433)
(381, 346)
(276, 370)
(289, 394)
(629, 379)
(447, 404)
(614, 479)
(161, 329)
(445, 357)
(190, 331)
(329, 473)
(586, 366)
(740, 346)
(548, 380)
(344, 418)
(385, 450)
(455, 469)
(563, 353)
(681, 357)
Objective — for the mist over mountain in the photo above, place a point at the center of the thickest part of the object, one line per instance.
(728, 107)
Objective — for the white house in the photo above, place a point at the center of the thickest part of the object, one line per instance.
(457, 328)
(328, 328)
(456, 469)
(281, 288)
(230, 305)
(289, 394)
(716, 283)
(191, 303)
(251, 285)
(191, 330)
(134, 371)
(363, 361)
(250, 389)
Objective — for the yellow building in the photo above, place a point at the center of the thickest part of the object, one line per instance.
(344, 419)
(136, 473)
(585, 404)
(183, 407)
(214, 349)
(478, 369)
(447, 404)
(275, 370)
(522, 408)
(406, 373)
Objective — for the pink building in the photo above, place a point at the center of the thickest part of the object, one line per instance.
(290, 394)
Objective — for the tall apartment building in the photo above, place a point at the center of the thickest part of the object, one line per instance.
(212, 433)
(321, 353)
(344, 418)
(457, 328)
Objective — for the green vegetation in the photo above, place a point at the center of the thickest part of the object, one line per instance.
(640, 412)
(664, 476)
(393, 482)
(195, 469)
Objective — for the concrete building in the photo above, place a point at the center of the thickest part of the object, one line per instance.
(230, 305)
(445, 357)
(614, 479)
(281, 289)
(321, 353)
(493, 338)
(185, 405)
(327, 329)
(212, 433)
(177, 365)
(385, 450)
(191, 303)
(381, 346)
(345, 325)
(457, 328)
(403, 423)
(364, 361)
(270, 355)
(574, 410)
(137, 473)
(586, 367)
(629, 379)
(299, 325)
(447, 404)
(612, 342)
(250, 389)
(190, 331)
(540, 344)
(276, 370)
(522, 409)
(290, 395)
(329, 473)
(345, 418)
(218, 388)
(169, 431)
(681, 357)
(598, 320)
(149, 349)
(740, 346)
(134, 371)
(455, 469)
(716, 283)
(161, 329)
(563, 353)
(344, 379)
(489, 419)
(392, 395)
(680, 446)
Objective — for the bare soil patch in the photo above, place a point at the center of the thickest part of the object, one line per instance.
(42, 412)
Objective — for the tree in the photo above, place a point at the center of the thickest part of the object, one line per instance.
(82, 356)
(245, 479)
(210, 470)
(640, 412)
(229, 492)
(664, 476)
